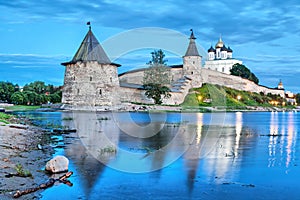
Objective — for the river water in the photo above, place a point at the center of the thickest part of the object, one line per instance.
(233, 155)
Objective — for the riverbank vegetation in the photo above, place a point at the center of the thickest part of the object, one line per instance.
(218, 96)
(5, 118)
(35, 93)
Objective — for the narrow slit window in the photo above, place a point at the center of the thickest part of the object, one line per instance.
(100, 92)
(91, 78)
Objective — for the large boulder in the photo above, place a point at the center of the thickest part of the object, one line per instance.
(58, 164)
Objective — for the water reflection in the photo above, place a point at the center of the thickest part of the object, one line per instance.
(283, 138)
(248, 148)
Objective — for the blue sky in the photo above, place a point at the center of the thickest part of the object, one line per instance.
(36, 36)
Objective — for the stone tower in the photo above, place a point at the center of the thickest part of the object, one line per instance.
(91, 79)
(192, 62)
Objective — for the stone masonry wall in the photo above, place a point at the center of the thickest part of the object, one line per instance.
(90, 83)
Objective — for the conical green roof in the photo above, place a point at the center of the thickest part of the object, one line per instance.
(192, 48)
(90, 50)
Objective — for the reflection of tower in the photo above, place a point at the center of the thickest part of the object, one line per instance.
(192, 155)
(84, 151)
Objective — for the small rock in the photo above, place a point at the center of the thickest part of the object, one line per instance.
(57, 164)
(39, 147)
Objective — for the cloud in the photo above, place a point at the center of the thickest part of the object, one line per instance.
(242, 21)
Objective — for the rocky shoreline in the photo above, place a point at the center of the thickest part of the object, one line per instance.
(22, 148)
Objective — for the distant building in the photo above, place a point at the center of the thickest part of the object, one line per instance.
(290, 98)
(280, 85)
(220, 58)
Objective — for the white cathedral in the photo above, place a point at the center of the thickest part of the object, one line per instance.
(220, 58)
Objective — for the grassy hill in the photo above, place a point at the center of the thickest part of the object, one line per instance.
(218, 96)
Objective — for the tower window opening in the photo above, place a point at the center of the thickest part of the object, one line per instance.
(91, 78)
(100, 91)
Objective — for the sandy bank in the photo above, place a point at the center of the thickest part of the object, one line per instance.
(19, 145)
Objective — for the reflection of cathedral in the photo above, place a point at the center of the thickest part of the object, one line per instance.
(220, 58)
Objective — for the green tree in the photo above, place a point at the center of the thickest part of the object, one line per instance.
(244, 72)
(38, 87)
(156, 78)
(6, 91)
(298, 98)
(18, 98)
(56, 97)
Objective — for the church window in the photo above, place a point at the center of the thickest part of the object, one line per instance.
(91, 78)
(77, 91)
(100, 92)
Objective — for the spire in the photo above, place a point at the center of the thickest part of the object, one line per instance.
(220, 38)
(90, 50)
(192, 48)
(89, 24)
(220, 43)
(192, 34)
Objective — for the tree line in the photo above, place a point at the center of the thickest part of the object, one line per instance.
(35, 93)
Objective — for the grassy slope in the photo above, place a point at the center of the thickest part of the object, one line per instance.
(4, 118)
(21, 108)
(226, 97)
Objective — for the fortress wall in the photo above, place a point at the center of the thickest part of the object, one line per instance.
(176, 73)
(135, 77)
(235, 82)
(133, 95)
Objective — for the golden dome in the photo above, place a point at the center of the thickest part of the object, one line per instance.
(220, 43)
